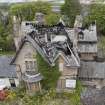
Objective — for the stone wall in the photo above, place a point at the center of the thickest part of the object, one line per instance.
(87, 56)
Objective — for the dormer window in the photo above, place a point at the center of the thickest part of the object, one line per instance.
(80, 35)
(27, 24)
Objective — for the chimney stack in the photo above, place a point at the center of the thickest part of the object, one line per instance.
(39, 18)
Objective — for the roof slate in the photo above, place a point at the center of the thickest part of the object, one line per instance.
(7, 70)
(87, 48)
(92, 69)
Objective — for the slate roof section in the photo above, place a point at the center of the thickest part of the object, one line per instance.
(7, 70)
(70, 61)
(87, 48)
(92, 69)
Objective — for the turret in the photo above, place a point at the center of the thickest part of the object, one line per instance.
(39, 18)
(77, 25)
(78, 21)
(16, 31)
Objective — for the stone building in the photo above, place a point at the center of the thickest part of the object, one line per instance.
(26, 67)
(92, 70)
(87, 43)
(25, 58)
(52, 43)
(75, 49)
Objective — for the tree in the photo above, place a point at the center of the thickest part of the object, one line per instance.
(6, 40)
(52, 18)
(26, 11)
(71, 8)
(97, 12)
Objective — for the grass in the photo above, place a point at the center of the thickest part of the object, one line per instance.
(7, 53)
(48, 97)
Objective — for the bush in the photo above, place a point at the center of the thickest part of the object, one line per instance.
(51, 74)
(52, 18)
(71, 8)
(97, 12)
(26, 11)
(6, 40)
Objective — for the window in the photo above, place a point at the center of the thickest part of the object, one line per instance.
(12, 82)
(31, 65)
(61, 84)
(60, 66)
(79, 55)
(27, 64)
(81, 35)
(87, 48)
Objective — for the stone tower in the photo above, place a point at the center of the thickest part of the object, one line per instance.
(77, 25)
(16, 32)
(39, 18)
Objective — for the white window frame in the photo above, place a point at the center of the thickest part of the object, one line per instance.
(61, 66)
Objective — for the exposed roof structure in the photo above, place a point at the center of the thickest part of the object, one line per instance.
(50, 42)
(92, 69)
(7, 70)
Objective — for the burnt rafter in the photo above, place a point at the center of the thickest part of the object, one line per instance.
(56, 29)
(39, 34)
(51, 42)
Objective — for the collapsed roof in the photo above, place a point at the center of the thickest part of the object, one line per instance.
(52, 42)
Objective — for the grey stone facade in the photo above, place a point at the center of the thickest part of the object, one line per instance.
(58, 43)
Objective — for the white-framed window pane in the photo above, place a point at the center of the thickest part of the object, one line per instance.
(35, 65)
(27, 65)
(31, 65)
(12, 82)
(60, 66)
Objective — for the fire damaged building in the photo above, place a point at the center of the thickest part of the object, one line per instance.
(70, 47)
